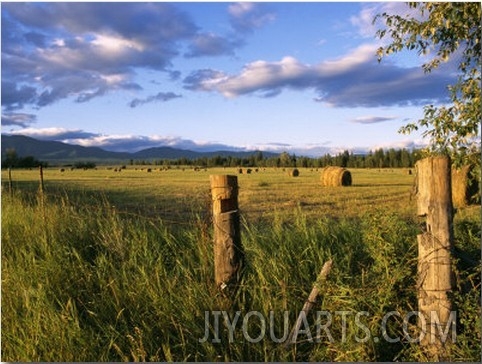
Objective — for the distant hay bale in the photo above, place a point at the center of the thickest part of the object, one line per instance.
(464, 186)
(335, 176)
(294, 173)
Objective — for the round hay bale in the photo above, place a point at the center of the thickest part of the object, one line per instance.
(464, 186)
(294, 172)
(335, 176)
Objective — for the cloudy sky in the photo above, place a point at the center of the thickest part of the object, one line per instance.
(296, 77)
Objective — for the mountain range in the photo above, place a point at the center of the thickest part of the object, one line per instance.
(58, 152)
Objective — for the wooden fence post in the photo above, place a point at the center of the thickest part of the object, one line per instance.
(10, 183)
(41, 180)
(435, 282)
(228, 252)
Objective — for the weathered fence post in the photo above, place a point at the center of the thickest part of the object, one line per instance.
(10, 184)
(41, 180)
(464, 186)
(435, 282)
(228, 252)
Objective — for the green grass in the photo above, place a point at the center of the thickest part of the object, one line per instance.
(118, 266)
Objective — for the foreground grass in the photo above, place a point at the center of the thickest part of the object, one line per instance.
(84, 281)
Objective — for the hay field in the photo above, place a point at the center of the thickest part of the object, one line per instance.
(118, 266)
(176, 193)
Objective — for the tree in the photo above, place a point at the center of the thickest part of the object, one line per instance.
(453, 30)
(11, 159)
(285, 159)
(85, 165)
(405, 159)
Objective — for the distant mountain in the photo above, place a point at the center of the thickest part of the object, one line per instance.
(54, 151)
(58, 152)
(165, 152)
(173, 153)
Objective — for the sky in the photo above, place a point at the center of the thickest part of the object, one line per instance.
(275, 76)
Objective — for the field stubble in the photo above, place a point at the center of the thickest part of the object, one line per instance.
(177, 193)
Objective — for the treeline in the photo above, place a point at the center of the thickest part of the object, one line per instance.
(12, 160)
(380, 158)
(84, 165)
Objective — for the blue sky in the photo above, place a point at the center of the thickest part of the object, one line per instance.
(296, 77)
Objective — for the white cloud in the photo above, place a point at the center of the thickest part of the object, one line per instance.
(18, 119)
(159, 97)
(261, 75)
(403, 144)
(355, 79)
(364, 54)
(372, 119)
(210, 44)
(54, 51)
(54, 133)
(116, 46)
(363, 21)
(248, 16)
(240, 9)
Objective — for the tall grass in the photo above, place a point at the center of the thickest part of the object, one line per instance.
(82, 281)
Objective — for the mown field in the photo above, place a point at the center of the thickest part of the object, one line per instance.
(117, 266)
(176, 193)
